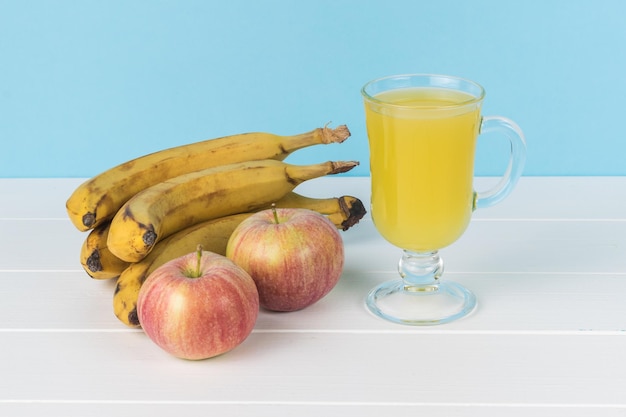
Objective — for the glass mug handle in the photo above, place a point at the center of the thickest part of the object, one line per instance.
(517, 158)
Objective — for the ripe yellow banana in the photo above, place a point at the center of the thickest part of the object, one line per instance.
(96, 258)
(100, 197)
(100, 263)
(344, 212)
(165, 208)
(213, 235)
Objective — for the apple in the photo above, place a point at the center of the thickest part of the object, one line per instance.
(295, 256)
(198, 306)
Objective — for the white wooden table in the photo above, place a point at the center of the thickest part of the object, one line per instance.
(548, 266)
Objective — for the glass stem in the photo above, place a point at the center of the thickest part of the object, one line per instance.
(420, 271)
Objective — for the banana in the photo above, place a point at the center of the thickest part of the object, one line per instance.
(213, 235)
(172, 205)
(344, 212)
(99, 198)
(100, 263)
(96, 258)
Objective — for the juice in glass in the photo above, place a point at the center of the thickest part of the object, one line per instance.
(422, 144)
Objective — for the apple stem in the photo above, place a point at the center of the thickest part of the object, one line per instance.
(199, 261)
(275, 213)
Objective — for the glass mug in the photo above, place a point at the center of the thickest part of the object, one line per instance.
(422, 131)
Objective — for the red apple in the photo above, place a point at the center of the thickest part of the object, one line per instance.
(295, 256)
(198, 306)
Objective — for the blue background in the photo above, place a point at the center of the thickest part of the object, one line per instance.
(85, 85)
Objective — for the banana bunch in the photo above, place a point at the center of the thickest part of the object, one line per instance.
(99, 198)
(152, 209)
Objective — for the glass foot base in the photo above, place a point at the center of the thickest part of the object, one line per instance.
(423, 305)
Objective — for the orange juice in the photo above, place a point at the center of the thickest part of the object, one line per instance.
(422, 144)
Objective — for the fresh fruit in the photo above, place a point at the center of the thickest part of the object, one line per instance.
(152, 209)
(213, 235)
(198, 306)
(96, 258)
(295, 256)
(165, 208)
(99, 263)
(100, 197)
(344, 212)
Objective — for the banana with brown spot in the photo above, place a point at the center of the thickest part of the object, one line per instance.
(172, 205)
(96, 258)
(213, 235)
(99, 198)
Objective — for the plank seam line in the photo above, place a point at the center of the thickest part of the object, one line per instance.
(321, 403)
(553, 219)
(580, 332)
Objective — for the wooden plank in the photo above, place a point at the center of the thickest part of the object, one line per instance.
(302, 409)
(560, 198)
(36, 197)
(507, 246)
(576, 246)
(298, 369)
(48, 300)
(533, 197)
(507, 303)
(40, 244)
